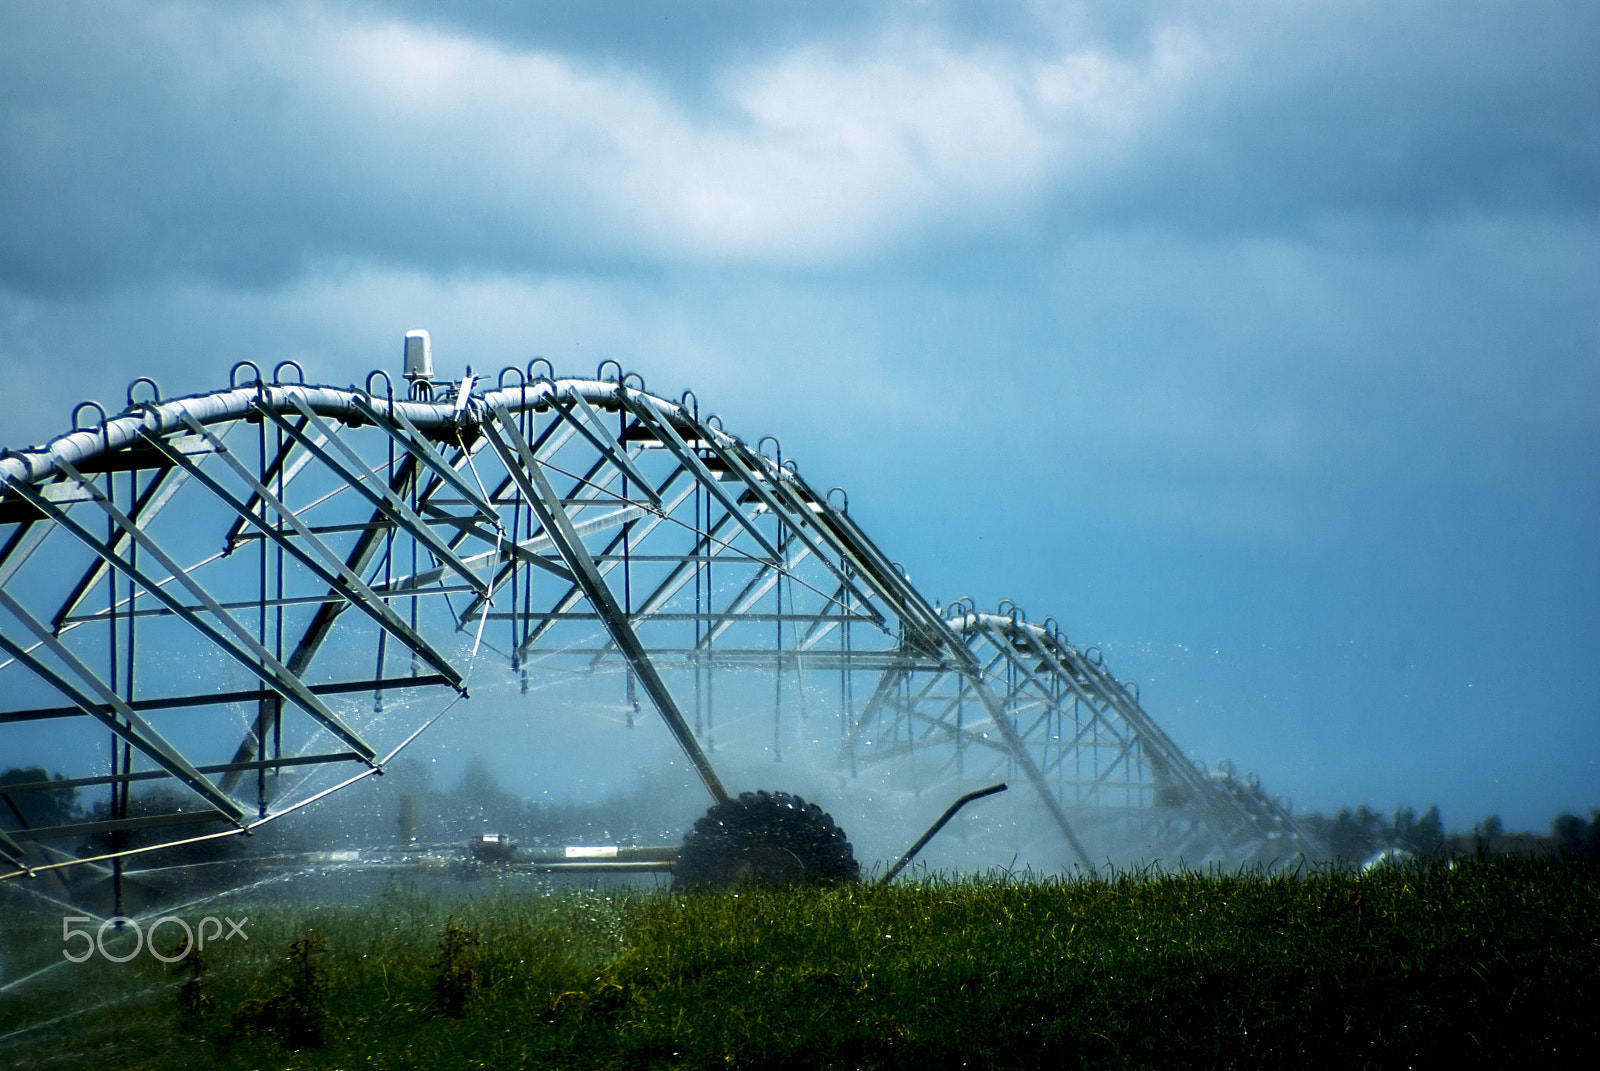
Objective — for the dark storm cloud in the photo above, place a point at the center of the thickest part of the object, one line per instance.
(158, 141)
(1402, 113)
(1353, 106)
(177, 141)
(683, 39)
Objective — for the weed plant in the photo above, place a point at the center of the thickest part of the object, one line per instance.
(1488, 962)
(294, 1008)
(457, 981)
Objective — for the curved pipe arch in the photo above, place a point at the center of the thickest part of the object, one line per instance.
(487, 493)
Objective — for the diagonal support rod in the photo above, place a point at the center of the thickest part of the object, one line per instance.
(367, 483)
(688, 458)
(132, 728)
(334, 572)
(599, 436)
(402, 431)
(245, 649)
(542, 499)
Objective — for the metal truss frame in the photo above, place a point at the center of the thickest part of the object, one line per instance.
(598, 524)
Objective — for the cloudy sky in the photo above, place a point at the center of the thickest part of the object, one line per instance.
(1257, 343)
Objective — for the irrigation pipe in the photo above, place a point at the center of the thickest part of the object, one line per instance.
(926, 837)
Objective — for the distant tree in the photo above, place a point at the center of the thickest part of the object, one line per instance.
(1569, 830)
(1426, 837)
(1354, 835)
(1376, 828)
(478, 804)
(184, 868)
(477, 781)
(1576, 837)
(1488, 831)
(1405, 823)
(35, 808)
(408, 774)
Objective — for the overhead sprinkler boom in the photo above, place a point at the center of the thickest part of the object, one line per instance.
(191, 563)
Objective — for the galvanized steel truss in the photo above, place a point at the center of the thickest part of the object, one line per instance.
(331, 543)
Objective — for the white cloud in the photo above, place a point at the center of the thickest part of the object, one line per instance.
(288, 133)
(809, 156)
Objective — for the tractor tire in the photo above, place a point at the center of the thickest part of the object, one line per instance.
(770, 838)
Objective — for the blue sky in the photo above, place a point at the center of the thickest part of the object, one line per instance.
(1258, 344)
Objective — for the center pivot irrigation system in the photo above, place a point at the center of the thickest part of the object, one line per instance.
(232, 591)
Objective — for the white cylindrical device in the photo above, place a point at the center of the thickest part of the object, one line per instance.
(419, 356)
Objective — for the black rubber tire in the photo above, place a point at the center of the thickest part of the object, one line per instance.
(772, 838)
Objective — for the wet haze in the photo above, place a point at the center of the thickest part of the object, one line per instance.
(1258, 344)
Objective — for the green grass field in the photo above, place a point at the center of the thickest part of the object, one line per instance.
(1491, 962)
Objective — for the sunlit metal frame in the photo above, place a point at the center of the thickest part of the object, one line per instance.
(654, 502)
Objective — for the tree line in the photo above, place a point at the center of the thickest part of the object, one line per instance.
(1355, 835)
(655, 810)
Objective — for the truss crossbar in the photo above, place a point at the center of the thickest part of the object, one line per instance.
(672, 550)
